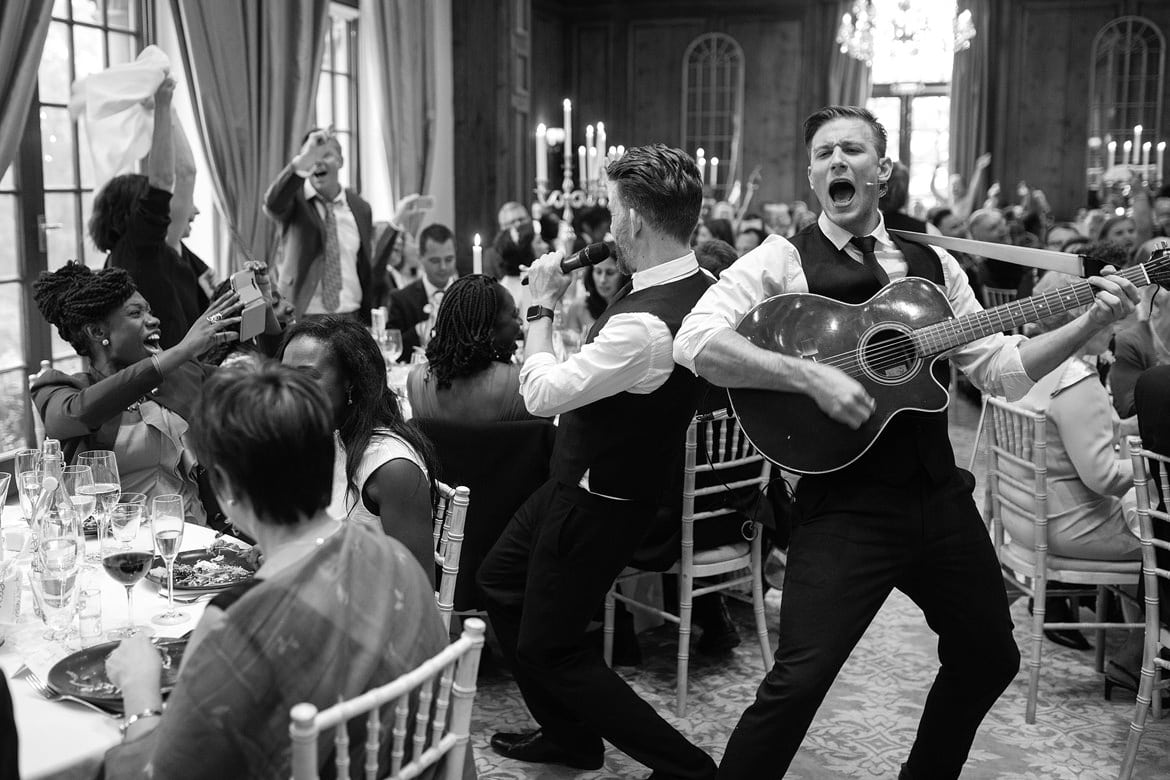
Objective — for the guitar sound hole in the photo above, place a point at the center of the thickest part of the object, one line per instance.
(889, 356)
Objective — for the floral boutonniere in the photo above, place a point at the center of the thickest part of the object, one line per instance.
(427, 309)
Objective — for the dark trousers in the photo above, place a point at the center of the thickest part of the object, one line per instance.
(543, 582)
(851, 545)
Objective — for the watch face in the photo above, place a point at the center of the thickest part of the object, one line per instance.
(536, 312)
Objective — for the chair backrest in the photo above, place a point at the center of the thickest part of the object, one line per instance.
(449, 518)
(716, 444)
(1154, 523)
(448, 675)
(38, 422)
(997, 296)
(1017, 446)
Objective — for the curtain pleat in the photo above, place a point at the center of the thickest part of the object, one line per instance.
(24, 25)
(850, 80)
(404, 78)
(252, 68)
(970, 94)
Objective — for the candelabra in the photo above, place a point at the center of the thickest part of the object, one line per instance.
(592, 159)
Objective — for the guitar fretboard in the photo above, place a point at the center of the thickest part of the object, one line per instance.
(948, 334)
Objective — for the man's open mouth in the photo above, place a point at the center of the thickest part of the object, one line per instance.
(841, 192)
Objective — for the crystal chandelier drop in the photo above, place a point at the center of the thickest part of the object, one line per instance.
(855, 34)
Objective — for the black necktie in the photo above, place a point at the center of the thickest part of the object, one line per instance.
(866, 245)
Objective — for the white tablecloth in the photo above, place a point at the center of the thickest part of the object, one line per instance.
(64, 740)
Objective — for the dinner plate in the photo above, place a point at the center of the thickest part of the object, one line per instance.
(83, 674)
(158, 575)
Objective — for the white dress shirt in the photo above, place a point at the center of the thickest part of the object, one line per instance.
(632, 353)
(774, 267)
(349, 243)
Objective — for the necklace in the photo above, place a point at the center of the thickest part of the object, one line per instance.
(287, 553)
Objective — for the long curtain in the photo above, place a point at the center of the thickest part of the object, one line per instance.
(24, 25)
(402, 33)
(970, 94)
(850, 80)
(252, 69)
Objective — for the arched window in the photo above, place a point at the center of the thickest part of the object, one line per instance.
(712, 104)
(1126, 87)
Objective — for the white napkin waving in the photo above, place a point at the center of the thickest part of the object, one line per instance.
(119, 126)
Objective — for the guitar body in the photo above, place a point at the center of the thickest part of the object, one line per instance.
(870, 341)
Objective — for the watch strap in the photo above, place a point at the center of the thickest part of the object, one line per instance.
(537, 312)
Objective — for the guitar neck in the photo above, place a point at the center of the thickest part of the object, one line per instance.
(948, 334)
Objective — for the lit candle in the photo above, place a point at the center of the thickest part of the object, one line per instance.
(582, 168)
(1146, 154)
(701, 161)
(1137, 142)
(1125, 152)
(588, 136)
(568, 106)
(541, 153)
(601, 139)
(593, 173)
(1161, 159)
(621, 151)
(714, 173)
(1112, 154)
(476, 256)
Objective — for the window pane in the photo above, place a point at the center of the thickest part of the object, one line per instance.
(122, 48)
(341, 119)
(60, 9)
(13, 387)
(325, 102)
(122, 14)
(346, 141)
(929, 139)
(85, 157)
(53, 75)
(87, 51)
(87, 11)
(57, 148)
(340, 34)
(94, 258)
(62, 241)
(8, 242)
(888, 111)
(10, 333)
(8, 180)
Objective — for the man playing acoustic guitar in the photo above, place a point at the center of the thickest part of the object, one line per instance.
(901, 514)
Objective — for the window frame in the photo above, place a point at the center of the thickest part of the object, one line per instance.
(712, 41)
(346, 12)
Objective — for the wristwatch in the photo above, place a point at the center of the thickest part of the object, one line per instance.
(536, 312)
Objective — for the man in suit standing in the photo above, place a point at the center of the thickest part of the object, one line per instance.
(326, 232)
(901, 515)
(413, 309)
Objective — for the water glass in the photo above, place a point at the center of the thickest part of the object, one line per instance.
(390, 343)
(54, 594)
(89, 616)
(125, 520)
(166, 523)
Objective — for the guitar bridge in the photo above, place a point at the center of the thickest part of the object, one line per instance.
(808, 349)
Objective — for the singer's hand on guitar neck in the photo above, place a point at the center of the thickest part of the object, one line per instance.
(546, 280)
(1115, 299)
(839, 395)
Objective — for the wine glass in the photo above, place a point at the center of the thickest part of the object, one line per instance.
(127, 563)
(78, 484)
(125, 521)
(53, 575)
(106, 482)
(391, 345)
(166, 523)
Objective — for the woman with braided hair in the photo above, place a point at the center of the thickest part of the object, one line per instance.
(136, 396)
(469, 375)
(383, 466)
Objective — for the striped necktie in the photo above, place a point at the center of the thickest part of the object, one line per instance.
(331, 275)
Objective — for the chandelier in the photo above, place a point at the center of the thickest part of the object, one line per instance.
(855, 34)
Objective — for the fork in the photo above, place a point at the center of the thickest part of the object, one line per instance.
(51, 695)
(191, 599)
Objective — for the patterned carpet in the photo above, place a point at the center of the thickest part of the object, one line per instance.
(868, 721)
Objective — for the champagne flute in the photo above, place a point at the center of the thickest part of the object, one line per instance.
(106, 482)
(166, 523)
(24, 462)
(54, 574)
(391, 344)
(28, 486)
(127, 563)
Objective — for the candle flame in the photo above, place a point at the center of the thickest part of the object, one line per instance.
(567, 104)
(1161, 146)
(1137, 128)
(476, 239)
(541, 130)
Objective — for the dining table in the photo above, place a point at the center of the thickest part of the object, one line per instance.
(64, 740)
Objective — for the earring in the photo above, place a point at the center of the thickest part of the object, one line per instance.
(105, 342)
(349, 397)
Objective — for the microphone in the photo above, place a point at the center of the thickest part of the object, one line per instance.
(590, 255)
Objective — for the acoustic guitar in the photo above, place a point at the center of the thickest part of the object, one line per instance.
(889, 344)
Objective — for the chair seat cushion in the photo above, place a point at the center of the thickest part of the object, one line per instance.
(1019, 557)
(722, 553)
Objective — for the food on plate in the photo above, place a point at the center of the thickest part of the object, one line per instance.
(206, 572)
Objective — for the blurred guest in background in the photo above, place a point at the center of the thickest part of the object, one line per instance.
(602, 284)
(714, 256)
(713, 228)
(413, 309)
(747, 240)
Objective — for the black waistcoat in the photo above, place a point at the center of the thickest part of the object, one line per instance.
(914, 444)
(631, 443)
